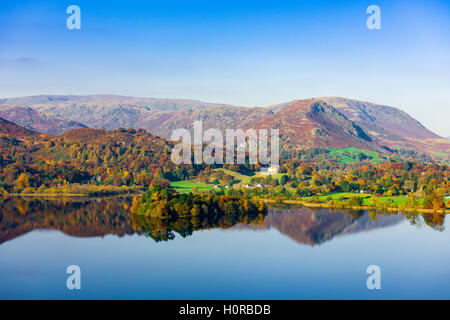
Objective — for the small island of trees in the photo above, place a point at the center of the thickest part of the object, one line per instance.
(164, 202)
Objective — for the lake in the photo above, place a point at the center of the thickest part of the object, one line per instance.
(291, 253)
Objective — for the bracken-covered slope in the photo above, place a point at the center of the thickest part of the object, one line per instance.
(383, 122)
(314, 123)
(386, 126)
(7, 128)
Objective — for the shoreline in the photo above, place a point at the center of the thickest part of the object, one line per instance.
(300, 202)
(67, 195)
(390, 209)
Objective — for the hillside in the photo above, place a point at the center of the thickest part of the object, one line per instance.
(92, 157)
(36, 120)
(386, 126)
(108, 111)
(383, 121)
(314, 123)
(329, 122)
(164, 123)
(11, 129)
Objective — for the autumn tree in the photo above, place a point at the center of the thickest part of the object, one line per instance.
(22, 182)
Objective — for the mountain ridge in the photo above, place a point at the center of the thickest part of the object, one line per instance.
(326, 122)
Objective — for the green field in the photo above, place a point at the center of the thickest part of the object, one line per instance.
(242, 178)
(350, 155)
(245, 179)
(187, 186)
(345, 195)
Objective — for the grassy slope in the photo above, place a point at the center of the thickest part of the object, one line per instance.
(187, 186)
(338, 195)
(344, 154)
(244, 179)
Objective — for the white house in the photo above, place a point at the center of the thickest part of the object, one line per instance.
(270, 170)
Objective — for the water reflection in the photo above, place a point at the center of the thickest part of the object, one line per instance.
(87, 217)
(74, 216)
(163, 230)
(316, 226)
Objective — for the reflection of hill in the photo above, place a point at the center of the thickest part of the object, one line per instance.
(164, 229)
(100, 217)
(76, 217)
(315, 226)
(88, 217)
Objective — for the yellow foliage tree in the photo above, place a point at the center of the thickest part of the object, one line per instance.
(22, 181)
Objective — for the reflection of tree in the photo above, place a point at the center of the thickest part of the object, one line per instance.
(161, 211)
(78, 217)
(157, 229)
(433, 220)
(436, 221)
(165, 229)
(90, 217)
(413, 218)
(355, 214)
(99, 217)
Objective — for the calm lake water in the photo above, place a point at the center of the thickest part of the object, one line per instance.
(291, 253)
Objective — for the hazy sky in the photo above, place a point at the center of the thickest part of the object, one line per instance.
(239, 52)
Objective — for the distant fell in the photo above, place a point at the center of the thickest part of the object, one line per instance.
(329, 122)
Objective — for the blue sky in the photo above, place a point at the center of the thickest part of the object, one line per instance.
(240, 52)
